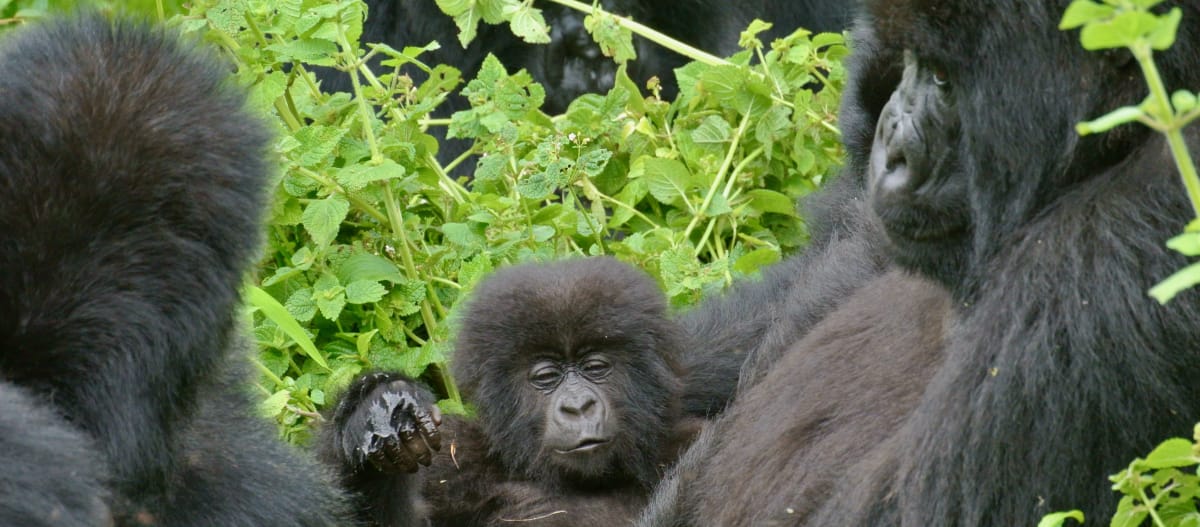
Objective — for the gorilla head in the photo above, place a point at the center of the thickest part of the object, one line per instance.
(1019, 152)
(573, 367)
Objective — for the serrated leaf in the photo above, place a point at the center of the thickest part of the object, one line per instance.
(323, 218)
(329, 296)
(310, 50)
(364, 292)
(275, 403)
(357, 177)
(668, 180)
(593, 161)
(301, 306)
(460, 234)
(712, 130)
(529, 25)
(316, 144)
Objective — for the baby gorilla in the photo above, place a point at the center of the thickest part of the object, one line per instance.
(573, 369)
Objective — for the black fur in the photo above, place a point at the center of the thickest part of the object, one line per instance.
(131, 188)
(497, 468)
(1060, 369)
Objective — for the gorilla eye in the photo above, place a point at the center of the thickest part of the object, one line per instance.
(940, 77)
(545, 376)
(596, 368)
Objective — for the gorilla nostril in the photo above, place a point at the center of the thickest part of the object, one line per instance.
(577, 408)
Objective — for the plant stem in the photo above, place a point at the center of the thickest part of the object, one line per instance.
(661, 39)
(1174, 133)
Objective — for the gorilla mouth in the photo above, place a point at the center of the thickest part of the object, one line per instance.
(587, 445)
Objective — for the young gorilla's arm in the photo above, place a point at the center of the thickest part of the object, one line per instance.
(377, 446)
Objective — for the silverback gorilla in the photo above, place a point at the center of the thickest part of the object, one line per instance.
(959, 123)
(131, 185)
(572, 367)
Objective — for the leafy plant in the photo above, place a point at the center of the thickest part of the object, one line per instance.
(1153, 487)
(372, 242)
(1131, 25)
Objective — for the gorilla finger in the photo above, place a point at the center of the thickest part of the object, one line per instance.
(399, 456)
(415, 443)
(427, 423)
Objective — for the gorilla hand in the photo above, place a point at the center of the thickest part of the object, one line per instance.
(389, 422)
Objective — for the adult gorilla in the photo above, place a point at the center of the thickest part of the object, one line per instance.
(131, 185)
(1061, 369)
(573, 368)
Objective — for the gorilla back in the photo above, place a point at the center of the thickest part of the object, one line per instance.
(131, 185)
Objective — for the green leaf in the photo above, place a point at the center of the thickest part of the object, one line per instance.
(1128, 515)
(754, 260)
(713, 130)
(329, 295)
(301, 306)
(1122, 30)
(1187, 244)
(1164, 34)
(1058, 518)
(310, 50)
(316, 144)
(668, 180)
(766, 200)
(323, 218)
(614, 40)
(367, 266)
(273, 405)
(273, 310)
(748, 39)
(364, 292)
(1182, 279)
(1172, 453)
(1082, 12)
(357, 177)
(528, 24)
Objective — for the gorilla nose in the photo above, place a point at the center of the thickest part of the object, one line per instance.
(896, 167)
(578, 406)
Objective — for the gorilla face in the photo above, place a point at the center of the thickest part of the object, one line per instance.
(573, 367)
(579, 420)
(915, 184)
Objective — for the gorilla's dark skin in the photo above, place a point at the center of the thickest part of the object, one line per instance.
(131, 188)
(1047, 242)
(573, 369)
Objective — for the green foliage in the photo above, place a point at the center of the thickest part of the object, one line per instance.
(373, 241)
(1130, 24)
(1152, 488)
